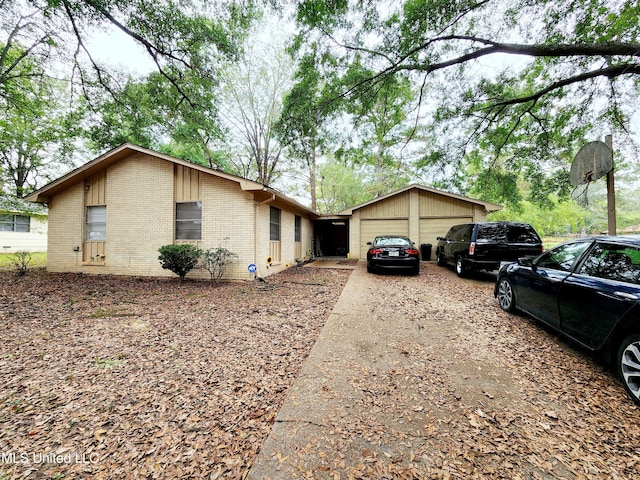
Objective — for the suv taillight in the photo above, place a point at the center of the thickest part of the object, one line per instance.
(472, 248)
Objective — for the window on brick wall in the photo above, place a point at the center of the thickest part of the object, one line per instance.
(188, 220)
(15, 223)
(96, 224)
(298, 229)
(274, 224)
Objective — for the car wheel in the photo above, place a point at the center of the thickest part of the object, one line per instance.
(506, 296)
(628, 361)
(442, 262)
(460, 269)
(370, 268)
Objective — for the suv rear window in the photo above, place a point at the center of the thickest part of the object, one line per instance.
(491, 232)
(506, 232)
(521, 234)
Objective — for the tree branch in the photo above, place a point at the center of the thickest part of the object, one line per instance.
(609, 72)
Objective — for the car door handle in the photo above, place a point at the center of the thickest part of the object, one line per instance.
(625, 295)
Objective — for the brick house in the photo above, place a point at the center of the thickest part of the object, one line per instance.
(113, 213)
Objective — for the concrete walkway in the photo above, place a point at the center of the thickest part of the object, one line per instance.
(303, 415)
(335, 415)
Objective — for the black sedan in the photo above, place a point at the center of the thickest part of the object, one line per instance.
(393, 252)
(589, 291)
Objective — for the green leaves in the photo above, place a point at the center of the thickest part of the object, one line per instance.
(180, 258)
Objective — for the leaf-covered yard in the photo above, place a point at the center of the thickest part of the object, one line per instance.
(116, 377)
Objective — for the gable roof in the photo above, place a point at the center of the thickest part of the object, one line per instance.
(262, 192)
(488, 206)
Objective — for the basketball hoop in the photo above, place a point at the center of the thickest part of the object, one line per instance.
(594, 161)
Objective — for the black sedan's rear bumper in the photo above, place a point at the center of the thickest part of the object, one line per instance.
(394, 262)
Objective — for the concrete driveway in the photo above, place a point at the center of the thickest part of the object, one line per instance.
(425, 377)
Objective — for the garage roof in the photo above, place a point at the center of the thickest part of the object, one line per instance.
(488, 206)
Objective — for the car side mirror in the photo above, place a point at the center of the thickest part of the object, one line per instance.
(369, 243)
(526, 261)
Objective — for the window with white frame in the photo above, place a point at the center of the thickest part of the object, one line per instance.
(96, 224)
(188, 220)
(15, 223)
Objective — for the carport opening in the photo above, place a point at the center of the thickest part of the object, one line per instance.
(331, 238)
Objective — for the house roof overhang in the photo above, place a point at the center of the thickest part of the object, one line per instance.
(488, 206)
(262, 193)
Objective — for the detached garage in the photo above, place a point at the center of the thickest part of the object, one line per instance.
(419, 212)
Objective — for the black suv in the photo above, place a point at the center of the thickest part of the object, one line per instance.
(483, 245)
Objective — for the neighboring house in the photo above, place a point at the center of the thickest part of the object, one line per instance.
(112, 214)
(23, 226)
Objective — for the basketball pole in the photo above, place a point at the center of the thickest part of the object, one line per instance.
(611, 193)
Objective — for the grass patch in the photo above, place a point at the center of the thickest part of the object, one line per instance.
(38, 260)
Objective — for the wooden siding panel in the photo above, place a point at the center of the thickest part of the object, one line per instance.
(96, 189)
(433, 205)
(394, 207)
(274, 251)
(187, 184)
(94, 252)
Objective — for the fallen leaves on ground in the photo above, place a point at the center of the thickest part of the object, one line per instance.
(448, 386)
(120, 377)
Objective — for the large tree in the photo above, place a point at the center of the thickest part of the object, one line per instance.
(301, 126)
(43, 40)
(37, 127)
(250, 104)
(180, 36)
(518, 82)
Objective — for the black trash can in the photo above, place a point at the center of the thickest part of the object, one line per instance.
(425, 250)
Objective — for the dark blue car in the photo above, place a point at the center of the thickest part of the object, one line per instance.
(589, 291)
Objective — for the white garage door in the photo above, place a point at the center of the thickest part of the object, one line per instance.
(369, 229)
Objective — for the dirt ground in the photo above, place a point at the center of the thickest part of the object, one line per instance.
(110, 377)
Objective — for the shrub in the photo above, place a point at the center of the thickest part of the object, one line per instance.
(21, 262)
(180, 259)
(215, 261)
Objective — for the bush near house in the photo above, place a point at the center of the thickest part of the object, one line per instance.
(38, 260)
(180, 259)
(215, 261)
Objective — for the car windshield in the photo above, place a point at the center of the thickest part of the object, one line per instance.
(395, 241)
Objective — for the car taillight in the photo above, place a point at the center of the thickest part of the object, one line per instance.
(411, 251)
(472, 248)
(375, 251)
